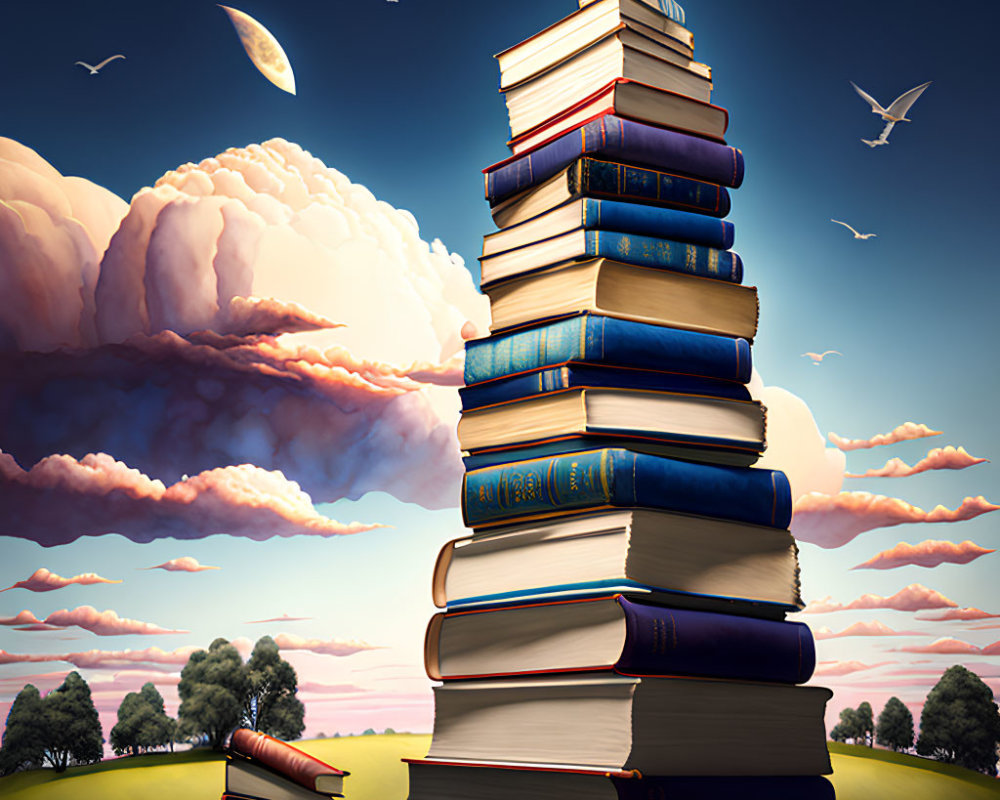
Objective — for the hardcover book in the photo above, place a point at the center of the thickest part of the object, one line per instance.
(286, 760)
(599, 339)
(681, 560)
(614, 138)
(618, 634)
(591, 177)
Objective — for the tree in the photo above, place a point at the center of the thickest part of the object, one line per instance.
(142, 722)
(959, 723)
(849, 727)
(23, 745)
(271, 705)
(70, 727)
(895, 726)
(866, 724)
(213, 689)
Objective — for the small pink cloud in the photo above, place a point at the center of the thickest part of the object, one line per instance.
(312, 687)
(105, 623)
(946, 646)
(929, 553)
(106, 659)
(873, 628)
(23, 618)
(831, 521)
(824, 606)
(939, 458)
(329, 647)
(991, 649)
(914, 597)
(282, 618)
(41, 626)
(908, 430)
(837, 668)
(956, 613)
(42, 580)
(182, 564)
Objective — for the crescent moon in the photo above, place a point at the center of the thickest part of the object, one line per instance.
(263, 49)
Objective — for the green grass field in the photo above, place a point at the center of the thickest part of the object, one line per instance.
(859, 773)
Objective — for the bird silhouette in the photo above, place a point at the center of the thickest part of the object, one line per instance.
(94, 70)
(856, 234)
(896, 112)
(818, 357)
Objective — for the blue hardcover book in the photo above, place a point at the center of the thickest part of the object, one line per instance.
(617, 139)
(612, 215)
(617, 478)
(627, 248)
(607, 340)
(572, 375)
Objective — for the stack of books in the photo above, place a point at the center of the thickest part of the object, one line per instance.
(615, 624)
(260, 767)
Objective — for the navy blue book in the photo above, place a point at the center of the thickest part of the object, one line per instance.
(616, 478)
(617, 139)
(575, 375)
(591, 177)
(616, 633)
(615, 342)
(612, 215)
(627, 248)
(440, 779)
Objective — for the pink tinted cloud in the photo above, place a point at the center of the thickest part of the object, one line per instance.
(329, 647)
(25, 617)
(42, 580)
(282, 618)
(837, 668)
(904, 432)
(312, 687)
(106, 659)
(105, 623)
(873, 628)
(939, 458)
(60, 499)
(956, 614)
(950, 646)
(831, 521)
(182, 564)
(929, 553)
(914, 597)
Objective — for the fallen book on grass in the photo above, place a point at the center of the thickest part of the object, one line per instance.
(618, 634)
(683, 560)
(438, 779)
(260, 766)
(655, 725)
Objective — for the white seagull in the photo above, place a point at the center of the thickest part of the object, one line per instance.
(856, 234)
(818, 357)
(896, 112)
(94, 70)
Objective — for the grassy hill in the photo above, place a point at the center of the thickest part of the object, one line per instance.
(859, 773)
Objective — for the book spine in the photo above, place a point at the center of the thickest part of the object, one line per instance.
(650, 251)
(567, 376)
(589, 176)
(663, 223)
(663, 641)
(615, 478)
(618, 138)
(611, 341)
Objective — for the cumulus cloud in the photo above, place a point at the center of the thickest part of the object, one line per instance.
(328, 647)
(834, 520)
(216, 298)
(282, 618)
(42, 580)
(99, 495)
(950, 646)
(963, 614)
(182, 564)
(901, 433)
(830, 669)
(929, 553)
(914, 597)
(939, 458)
(106, 659)
(103, 623)
(794, 444)
(873, 628)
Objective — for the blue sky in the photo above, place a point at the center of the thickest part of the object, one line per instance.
(401, 97)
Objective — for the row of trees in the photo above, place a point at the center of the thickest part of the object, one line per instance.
(218, 693)
(959, 723)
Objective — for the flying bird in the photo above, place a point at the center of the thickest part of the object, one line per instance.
(818, 357)
(856, 234)
(896, 112)
(94, 70)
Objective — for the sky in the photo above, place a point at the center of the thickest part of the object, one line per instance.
(400, 98)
